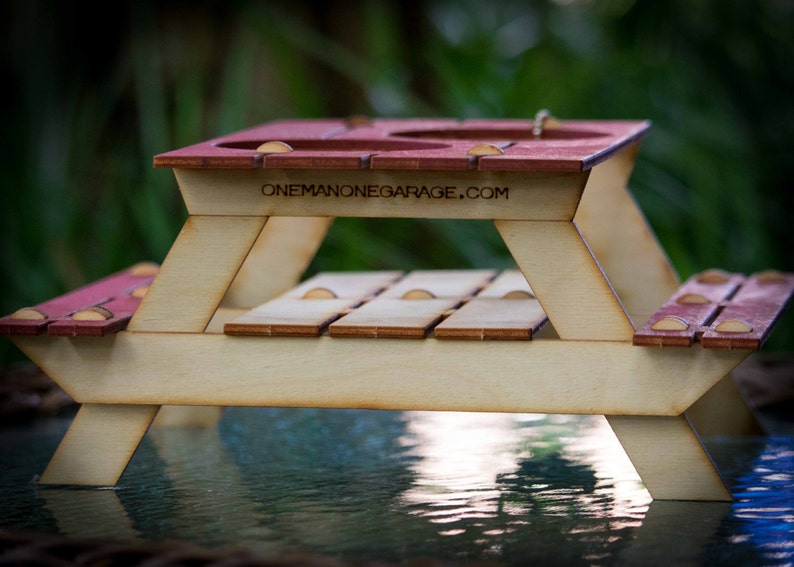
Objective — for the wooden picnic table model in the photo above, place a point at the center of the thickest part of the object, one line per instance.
(226, 321)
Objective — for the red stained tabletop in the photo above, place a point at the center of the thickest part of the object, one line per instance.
(412, 144)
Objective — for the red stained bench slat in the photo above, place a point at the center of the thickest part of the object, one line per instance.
(719, 310)
(115, 293)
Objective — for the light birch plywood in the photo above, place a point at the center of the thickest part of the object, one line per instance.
(374, 193)
(98, 445)
(620, 237)
(509, 283)
(505, 309)
(278, 258)
(568, 281)
(344, 285)
(487, 318)
(446, 284)
(188, 416)
(392, 318)
(196, 274)
(290, 317)
(540, 376)
(669, 458)
(723, 410)
(193, 279)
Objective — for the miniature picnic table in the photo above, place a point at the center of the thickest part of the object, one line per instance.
(260, 202)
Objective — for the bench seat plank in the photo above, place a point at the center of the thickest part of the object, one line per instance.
(719, 310)
(741, 326)
(111, 318)
(122, 287)
(675, 325)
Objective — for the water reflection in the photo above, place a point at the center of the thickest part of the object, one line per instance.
(761, 522)
(500, 482)
(83, 513)
(396, 486)
(489, 456)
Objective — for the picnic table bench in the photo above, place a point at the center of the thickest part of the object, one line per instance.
(580, 326)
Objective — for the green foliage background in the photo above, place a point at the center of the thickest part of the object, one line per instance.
(92, 95)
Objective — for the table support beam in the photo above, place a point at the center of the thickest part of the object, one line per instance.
(567, 280)
(669, 457)
(98, 445)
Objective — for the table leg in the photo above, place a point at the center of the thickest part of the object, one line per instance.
(567, 280)
(98, 445)
(669, 458)
(195, 275)
(622, 240)
(277, 260)
(723, 410)
(193, 279)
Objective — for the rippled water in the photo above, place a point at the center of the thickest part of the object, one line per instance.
(395, 486)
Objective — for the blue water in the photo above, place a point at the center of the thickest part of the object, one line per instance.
(395, 486)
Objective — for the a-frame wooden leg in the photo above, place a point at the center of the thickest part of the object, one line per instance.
(567, 280)
(723, 410)
(277, 260)
(98, 445)
(622, 240)
(195, 276)
(669, 458)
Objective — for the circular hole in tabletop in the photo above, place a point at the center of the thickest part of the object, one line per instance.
(514, 134)
(340, 145)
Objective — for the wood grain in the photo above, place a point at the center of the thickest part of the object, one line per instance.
(196, 273)
(346, 285)
(621, 239)
(99, 444)
(720, 310)
(381, 193)
(669, 458)
(491, 318)
(442, 284)
(290, 317)
(384, 317)
(562, 271)
(542, 376)
(277, 260)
